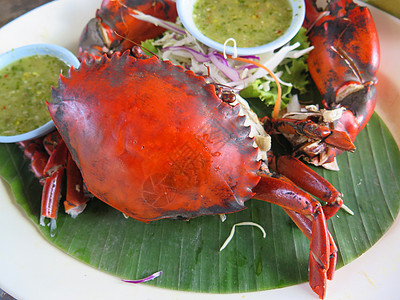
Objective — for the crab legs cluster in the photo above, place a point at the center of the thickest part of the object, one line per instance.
(49, 159)
(204, 161)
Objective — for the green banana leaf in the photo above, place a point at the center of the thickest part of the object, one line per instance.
(188, 251)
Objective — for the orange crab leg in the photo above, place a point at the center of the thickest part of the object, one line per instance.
(319, 248)
(76, 199)
(317, 275)
(332, 258)
(51, 195)
(54, 171)
(307, 179)
(50, 141)
(48, 157)
(57, 159)
(305, 226)
(281, 191)
(34, 151)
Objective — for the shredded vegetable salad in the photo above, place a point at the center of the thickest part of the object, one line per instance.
(288, 63)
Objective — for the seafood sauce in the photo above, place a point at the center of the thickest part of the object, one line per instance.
(24, 89)
(251, 23)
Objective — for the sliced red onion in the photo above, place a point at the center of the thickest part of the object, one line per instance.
(247, 66)
(148, 278)
(251, 57)
(198, 56)
(221, 63)
(217, 59)
(220, 57)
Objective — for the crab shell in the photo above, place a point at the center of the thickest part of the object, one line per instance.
(154, 141)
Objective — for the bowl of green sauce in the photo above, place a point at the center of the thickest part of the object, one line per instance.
(257, 26)
(26, 77)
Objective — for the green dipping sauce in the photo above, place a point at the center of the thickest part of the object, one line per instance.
(24, 89)
(251, 23)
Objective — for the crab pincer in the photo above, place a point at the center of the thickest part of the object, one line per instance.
(343, 64)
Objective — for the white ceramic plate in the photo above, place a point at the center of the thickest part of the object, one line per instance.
(32, 268)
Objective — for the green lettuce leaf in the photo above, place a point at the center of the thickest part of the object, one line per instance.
(148, 47)
(268, 96)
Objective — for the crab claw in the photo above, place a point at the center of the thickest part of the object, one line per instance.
(115, 28)
(344, 63)
(315, 143)
(294, 128)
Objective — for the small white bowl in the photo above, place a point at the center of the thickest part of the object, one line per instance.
(185, 12)
(42, 49)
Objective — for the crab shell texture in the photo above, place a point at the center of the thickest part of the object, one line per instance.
(154, 141)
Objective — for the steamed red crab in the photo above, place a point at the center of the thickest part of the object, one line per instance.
(156, 142)
(175, 150)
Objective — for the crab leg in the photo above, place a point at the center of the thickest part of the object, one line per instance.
(76, 199)
(281, 191)
(53, 171)
(305, 225)
(307, 179)
(33, 150)
(50, 141)
(50, 197)
(57, 159)
(60, 159)
(316, 276)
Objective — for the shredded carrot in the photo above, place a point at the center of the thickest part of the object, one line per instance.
(277, 106)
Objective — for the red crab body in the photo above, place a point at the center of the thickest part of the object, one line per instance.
(155, 144)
